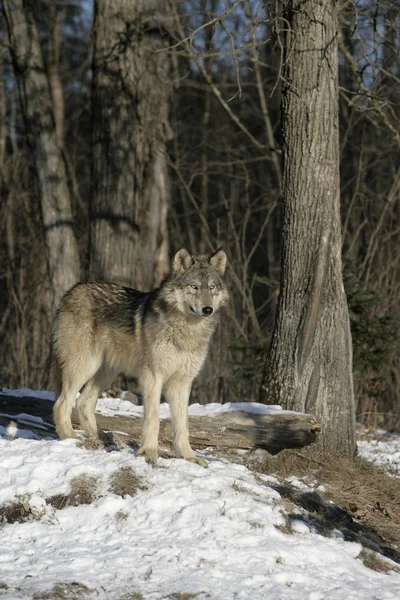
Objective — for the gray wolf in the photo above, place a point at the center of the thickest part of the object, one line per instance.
(161, 337)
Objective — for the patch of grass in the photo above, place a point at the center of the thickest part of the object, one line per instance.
(374, 561)
(125, 482)
(3, 587)
(132, 596)
(64, 591)
(121, 515)
(83, 491)
(15, 512)
(285, 527)
(206, 561)
(108, 442)
(256, 525)
(91, 444)
(239, 487)
(183, 596)
(361, 499)
(19, 511)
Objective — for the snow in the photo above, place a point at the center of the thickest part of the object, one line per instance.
(25, 392)
(383, 449)
(214, 533)
(116, 406)
(109, 406)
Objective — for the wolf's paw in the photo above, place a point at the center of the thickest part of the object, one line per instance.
(150, 454)
(198, 461)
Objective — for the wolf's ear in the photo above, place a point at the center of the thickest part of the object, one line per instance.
(182, 261)
(218, 261)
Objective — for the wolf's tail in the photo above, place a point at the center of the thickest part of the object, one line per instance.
(54, 382)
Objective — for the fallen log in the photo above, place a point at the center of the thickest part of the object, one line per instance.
(236, 429)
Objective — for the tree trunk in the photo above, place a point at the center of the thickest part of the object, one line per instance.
(309, 365)
(131, 97)
(53, 69)
(33, 87)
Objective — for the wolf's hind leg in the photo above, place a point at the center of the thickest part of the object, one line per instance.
(63, 408)
(73, 378)
(86, 403)
(177, 392)
(150, 386)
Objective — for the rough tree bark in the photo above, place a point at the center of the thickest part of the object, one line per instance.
(131, 96)
(309, 365)
(53, 68)
(33, 87)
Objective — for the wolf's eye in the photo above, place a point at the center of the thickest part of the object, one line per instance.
(212, 287)
(194, 287)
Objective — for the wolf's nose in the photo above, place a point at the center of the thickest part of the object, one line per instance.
(207, 310)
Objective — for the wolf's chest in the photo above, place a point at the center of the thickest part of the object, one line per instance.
(183, 355)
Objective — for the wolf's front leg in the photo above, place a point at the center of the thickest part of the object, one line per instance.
(177, 392)
(151, 389)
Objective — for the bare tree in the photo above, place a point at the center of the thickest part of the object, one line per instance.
(130, 103)
(53, 68)
(225, 174)
(309, 365)
(36, 103)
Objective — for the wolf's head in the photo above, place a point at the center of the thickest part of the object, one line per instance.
(197, 282)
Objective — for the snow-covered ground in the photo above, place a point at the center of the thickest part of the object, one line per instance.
(214, 533)
(383, 449)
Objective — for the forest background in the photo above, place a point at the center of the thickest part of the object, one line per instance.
(194, 91)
